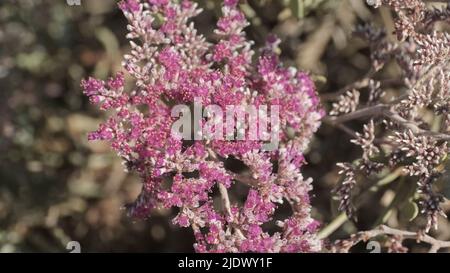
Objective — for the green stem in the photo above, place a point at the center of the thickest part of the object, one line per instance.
(342, 218)
(332, 226)
(399, 196)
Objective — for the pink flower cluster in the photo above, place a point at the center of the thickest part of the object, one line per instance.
(172, 63)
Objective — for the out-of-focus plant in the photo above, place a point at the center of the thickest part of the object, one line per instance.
(58, 187)
(300, 8)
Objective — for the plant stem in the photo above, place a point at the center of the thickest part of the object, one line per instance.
(332, 226)
(388, 210)
(342, 218)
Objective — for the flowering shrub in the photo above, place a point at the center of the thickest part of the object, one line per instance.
(406, 130)
(171, 63)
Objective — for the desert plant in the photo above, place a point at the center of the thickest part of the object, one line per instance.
(407, 128)
(172, 64)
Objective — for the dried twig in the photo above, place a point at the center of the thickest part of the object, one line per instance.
(345, 245)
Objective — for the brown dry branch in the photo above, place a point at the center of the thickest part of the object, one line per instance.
(401, 235)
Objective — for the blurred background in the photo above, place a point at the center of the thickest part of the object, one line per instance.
(57, 187)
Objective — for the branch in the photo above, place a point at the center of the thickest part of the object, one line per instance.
(371, 111)
(226, 200)
(414, 127)
(378, 110)
(364, 236)
(435, 245)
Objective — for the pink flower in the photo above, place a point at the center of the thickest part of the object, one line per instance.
(230, 3)
(92, 86)
(176, 65)
(129, 5)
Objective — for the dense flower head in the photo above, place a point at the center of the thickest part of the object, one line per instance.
(171, 63)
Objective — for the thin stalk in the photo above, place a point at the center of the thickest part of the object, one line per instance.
(342, 217)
